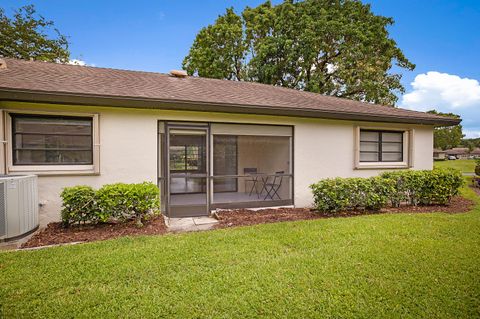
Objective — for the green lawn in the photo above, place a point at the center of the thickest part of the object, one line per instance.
(465, 165)
(378, 266)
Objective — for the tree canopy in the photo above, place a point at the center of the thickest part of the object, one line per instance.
(27, 35)
(334, 47)
(471, 143)
(449, 136)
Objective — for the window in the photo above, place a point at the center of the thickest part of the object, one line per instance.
(187, 153)
(52, 140)
(381, 146)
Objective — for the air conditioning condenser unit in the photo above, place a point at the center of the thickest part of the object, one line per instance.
(18, 206)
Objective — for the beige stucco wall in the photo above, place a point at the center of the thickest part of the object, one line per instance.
(128, 148)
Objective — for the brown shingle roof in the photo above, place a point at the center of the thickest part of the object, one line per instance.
(457, 151)
(476, 151)
(51, 82)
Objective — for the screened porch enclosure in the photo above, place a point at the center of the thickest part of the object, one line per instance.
(206, 166)
(251, 169)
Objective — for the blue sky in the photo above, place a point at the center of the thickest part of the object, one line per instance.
(440, 36)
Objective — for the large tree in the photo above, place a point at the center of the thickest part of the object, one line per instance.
(219, 49)
(333, 47)
(27, 35)
(448, 136)
(471, 143)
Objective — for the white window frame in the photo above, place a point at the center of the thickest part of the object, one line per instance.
(407, 162)
(90, 169)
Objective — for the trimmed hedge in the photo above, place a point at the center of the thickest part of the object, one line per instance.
(128, 201)
(122, 202)
(79, 205)
(389, 189)
(341, 194)
(437, 186)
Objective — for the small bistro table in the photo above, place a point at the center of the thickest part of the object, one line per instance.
(258, 178)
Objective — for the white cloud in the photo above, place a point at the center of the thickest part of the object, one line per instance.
(442, 91)
(447, 93)
(471, 133)
(79, 62)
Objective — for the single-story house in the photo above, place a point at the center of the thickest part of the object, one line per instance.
(207, 143)
(459, 152)
(439, 154)
(475, 153)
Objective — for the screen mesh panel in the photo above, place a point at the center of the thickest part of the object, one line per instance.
(2, 210)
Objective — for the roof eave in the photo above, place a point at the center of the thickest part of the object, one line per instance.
(7, 94)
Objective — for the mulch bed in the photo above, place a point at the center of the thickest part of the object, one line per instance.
(458, 204)
(55, 233)
(245, 217)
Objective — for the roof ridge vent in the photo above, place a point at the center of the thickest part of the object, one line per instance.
(178, 73)
(3, 64)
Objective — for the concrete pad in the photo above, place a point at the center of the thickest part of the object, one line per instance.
(204, 220)
(187, 224)
(9, 245)
(15, 244)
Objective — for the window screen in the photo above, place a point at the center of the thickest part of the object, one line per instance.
(381, 146)
(188, 153)
(51, 140)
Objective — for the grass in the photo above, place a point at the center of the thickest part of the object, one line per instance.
(377, 266)
(465, 165)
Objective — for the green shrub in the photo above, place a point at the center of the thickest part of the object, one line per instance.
(113, 201)
(129, 201)
(341, 194)
(441, 185)
(145, 201)
(329, 195)
(477, 166)
(79, 205)
(384, 188)
(424, 187)
(391, 188)
(409, 186)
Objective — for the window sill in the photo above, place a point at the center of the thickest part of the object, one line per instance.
(384, 165)
(54, 170)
